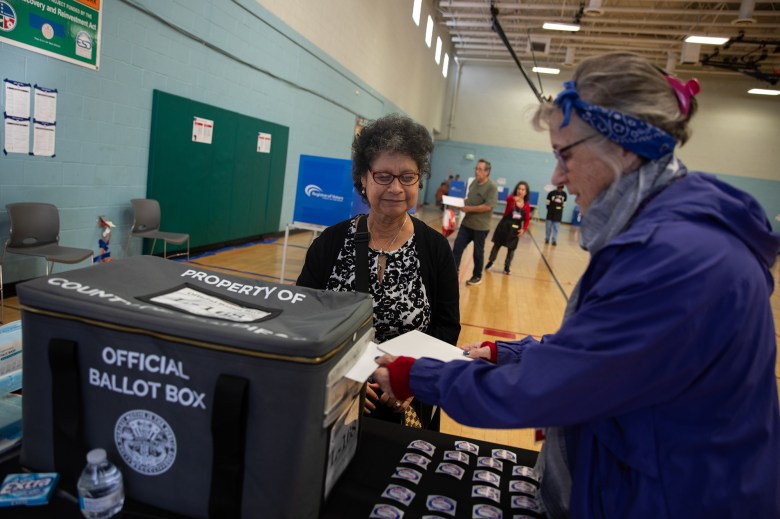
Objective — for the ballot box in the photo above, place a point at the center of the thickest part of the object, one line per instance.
(215, 395)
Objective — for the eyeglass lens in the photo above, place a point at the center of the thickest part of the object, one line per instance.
(560, 151)
(406, 178)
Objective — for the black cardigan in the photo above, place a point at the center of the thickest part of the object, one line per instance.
(437, 265)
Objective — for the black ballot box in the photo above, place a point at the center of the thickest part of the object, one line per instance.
(215, 395)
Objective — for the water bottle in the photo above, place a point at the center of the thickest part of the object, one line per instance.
(101, 492)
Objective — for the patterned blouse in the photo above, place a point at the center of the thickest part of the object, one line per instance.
(400, 302)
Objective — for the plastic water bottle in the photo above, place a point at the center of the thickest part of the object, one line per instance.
(101, 492)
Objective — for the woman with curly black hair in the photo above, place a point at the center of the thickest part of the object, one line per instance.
(408, 266)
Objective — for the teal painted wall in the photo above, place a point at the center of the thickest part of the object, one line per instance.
(231, 54)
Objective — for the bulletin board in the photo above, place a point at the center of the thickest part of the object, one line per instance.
(229, 189)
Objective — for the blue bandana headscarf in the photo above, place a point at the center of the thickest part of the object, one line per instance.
(631, 132)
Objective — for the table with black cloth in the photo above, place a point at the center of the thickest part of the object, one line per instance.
(381, 447)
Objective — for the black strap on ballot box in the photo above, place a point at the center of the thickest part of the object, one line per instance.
(67, 419)
(362, 237)
(228, 429)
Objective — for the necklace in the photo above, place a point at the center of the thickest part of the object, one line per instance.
(391, 242)
(381, 260)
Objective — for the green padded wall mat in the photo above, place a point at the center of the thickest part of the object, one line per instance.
(216, 192)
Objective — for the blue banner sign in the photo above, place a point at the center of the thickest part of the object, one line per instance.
(325, 192)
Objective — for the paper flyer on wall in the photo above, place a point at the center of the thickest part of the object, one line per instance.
(45, 105)
(43, 138)
(17, 99)
(16, 135)
(202, 130)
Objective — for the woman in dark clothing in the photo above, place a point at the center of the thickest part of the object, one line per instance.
(411, 272)
(514, 223)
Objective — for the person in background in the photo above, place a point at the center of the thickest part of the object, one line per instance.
(482, 197)
(659, 389)
(410, 269)
(514, 223)
(555, 202)
(444, 188)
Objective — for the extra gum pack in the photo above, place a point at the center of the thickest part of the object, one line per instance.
(27, 489)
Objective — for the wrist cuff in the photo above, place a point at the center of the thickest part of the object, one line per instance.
(399, 377)
(493, 351)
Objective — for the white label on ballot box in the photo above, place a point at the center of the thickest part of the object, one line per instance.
(343, 443)
(198, 303)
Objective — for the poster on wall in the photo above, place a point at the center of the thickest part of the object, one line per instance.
(263, 142)
(202, 130)
(68, 30)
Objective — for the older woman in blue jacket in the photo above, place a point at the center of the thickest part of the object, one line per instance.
(658, 390)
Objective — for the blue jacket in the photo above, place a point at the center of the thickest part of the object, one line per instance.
(663, 377)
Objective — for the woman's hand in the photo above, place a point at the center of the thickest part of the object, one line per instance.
(371, 397)
(476, 351)
(382, 376)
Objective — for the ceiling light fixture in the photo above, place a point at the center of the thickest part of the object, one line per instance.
(706, 40)
(546, 70)
(555, 26)
(764, 92)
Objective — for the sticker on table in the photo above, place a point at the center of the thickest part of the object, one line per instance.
(524, 487)
(528, 472)
(386, 512)
(398, 493)
(479, 511)
(487, 477)
(422, 445)
(411, 475)
(457, 456)
(441, 504)
(450, 469)
(416, 459)
(504, 454)
(463, 445)
(486, 492)
(525, 502)
(493, 463)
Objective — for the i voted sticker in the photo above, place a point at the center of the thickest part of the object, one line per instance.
(442, 504)
(489, 511)
(398, 493)
(386, 512)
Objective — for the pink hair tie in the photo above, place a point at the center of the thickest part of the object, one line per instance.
(684, 91)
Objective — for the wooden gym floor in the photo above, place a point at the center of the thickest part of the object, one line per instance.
(529, 301)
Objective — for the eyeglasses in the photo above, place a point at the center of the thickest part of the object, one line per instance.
(560, 151)
(385, 178)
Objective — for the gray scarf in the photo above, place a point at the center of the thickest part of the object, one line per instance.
(610, 214)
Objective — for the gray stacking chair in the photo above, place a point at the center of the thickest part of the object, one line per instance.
(146, 224)
(35, 231)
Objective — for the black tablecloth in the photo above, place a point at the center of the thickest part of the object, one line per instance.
(381, 447)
